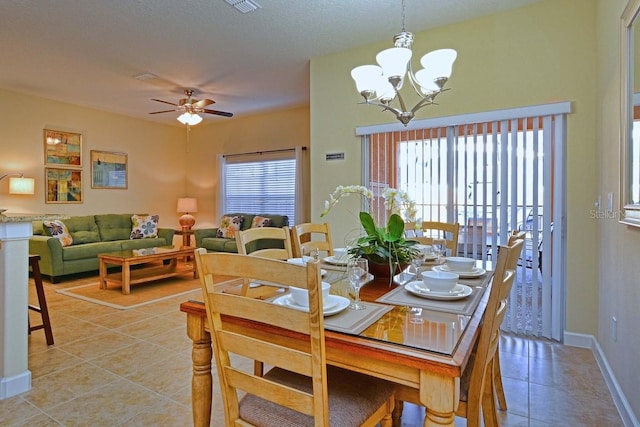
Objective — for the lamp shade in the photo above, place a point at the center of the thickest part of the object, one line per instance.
(189, 119)
(21, 185)
(440, 62)
(187, 205)
(367, 77)
(394, 61)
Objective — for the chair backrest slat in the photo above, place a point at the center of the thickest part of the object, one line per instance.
(309, 236)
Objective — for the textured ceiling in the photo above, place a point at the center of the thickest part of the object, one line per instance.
(86, 52)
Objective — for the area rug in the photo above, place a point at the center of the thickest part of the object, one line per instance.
(141, 294)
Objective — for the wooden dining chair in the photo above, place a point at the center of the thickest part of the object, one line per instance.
(424, 232)
(300, 389)
(249, 243)
(498, 387)
(477, 399)
(252, 242)
(310, 236)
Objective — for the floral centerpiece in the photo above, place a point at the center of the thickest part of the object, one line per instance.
(385, 244)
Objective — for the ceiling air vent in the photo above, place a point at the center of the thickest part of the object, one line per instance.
(244, 6)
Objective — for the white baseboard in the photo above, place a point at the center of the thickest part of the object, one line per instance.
(620, 400)
(12, 386)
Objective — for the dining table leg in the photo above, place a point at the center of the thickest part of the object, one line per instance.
(201, 381)
(440, 394)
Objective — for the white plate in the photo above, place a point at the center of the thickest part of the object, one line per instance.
(460, 291)
(299, 261)
(335, 261)
(476, 272)
(335, 304)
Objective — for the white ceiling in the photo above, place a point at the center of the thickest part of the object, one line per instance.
(86, 52)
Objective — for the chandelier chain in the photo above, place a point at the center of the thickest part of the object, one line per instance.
(403, 16)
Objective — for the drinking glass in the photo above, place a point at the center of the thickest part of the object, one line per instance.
(439, 248)
(417, 260)
(357, 272)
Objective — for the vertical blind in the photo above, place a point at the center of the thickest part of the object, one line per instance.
(491, 173)
(261, 183)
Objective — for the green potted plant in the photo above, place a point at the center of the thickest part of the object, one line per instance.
(385, 247)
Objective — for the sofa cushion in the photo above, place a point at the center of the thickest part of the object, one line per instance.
(277, 220)
(144, 226)
(229, 226)
(83, 229)
(260, 221)
(58, 229)
(219, 244)
(89, 250)
(114, 226)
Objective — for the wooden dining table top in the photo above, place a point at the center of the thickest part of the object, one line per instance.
(396, 335)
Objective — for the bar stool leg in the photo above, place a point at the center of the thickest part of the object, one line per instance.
(43, 310)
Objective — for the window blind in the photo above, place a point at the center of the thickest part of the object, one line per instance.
(261, 183)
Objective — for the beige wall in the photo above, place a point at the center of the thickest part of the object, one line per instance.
(537, 54)
(619, 291)
(156, 157)
(270, 131)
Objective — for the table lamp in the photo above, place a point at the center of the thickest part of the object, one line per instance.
(187, 205)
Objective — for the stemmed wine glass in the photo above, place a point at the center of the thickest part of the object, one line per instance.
(439, 248)
(357, 272)
(418, 259)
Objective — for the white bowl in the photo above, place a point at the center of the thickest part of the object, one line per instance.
(425, 249)
(439, 281)
(340, 254)
(458, 263)
(301, 296)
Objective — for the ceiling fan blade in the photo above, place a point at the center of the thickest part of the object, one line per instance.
(219, 113)
(203, 103)
(165, 111)
(165, 102)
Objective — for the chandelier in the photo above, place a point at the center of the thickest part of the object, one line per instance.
(380, 85)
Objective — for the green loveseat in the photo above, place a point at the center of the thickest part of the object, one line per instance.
(207, 237)
(91, 235)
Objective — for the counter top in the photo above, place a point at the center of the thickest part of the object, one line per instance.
(28, 217)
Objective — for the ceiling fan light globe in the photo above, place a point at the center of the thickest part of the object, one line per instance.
(189, 119)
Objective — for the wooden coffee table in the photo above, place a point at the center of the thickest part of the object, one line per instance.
(151, 256)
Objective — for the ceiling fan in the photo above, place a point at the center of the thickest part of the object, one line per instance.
(190, 108)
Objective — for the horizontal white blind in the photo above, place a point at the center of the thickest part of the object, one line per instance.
(260, 186)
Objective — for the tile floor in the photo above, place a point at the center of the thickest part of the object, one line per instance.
(111, 367)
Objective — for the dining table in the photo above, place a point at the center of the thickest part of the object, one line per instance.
(403, 337)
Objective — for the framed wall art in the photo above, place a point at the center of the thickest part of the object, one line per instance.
(63, 185)
(62, 148)
(108, 169)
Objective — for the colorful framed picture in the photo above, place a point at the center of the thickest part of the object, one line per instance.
(62, 148)
(63, 185)
(108, 170)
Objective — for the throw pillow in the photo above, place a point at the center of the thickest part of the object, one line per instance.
(58, 230)
(260, 221)
(229, 226)
(144, 226)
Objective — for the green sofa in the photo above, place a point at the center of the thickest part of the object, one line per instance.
(207, 237)
(92, 235)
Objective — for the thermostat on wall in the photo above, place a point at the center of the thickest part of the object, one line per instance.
(334, 156)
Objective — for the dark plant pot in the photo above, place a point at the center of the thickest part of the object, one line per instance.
(383, 271)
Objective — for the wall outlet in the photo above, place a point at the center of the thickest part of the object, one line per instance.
(614, 328)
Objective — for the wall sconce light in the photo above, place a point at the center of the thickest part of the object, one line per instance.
(18, 184)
